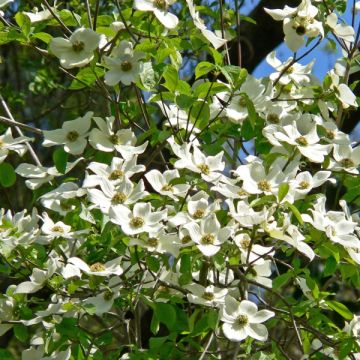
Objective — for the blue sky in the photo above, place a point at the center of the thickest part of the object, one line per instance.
(325, 60)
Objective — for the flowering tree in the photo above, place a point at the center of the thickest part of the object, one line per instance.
(184, 208)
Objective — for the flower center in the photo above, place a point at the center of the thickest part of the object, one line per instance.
(300, 30)
(97, 267)
(242, 101)
(167, 187)
(199, 214)
(108, 294)
(204, 169)
(116, 174)
(72, 136)
(301, 140)
(290, 70)
(186, 239)
(245, 243)
(126, 66)
(65, 206)
(78, 46)
(153, 242)
(242, 320)
(115, 139)
(273, 118)
(1, 143)
(264, 185)
(137, 222)
(207, 239)
(347, 163)
(119, 198)
(58, 229)
(242, 192)
(208, 296)
(330, 134)
(160, 4)
(304, 185)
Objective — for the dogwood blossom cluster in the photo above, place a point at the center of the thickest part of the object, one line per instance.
(173, 217)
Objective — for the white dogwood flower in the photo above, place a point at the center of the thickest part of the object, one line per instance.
(140, 219)
(110, 195)
(208, 296)
(342, 91)
(341, 30)
(160, 8)
(75, 266)
(8, 143)
(123, 141)
(5, 2)
(214, 40)
(245, 215)
(252, 252)
(38, 175)
(161, 182)
(237, 108)
(38, 279)
(78, 50)
(242, 319)
(116, 172)
(197, 161)
(306, 142)
(346, 159)
(208, 234)
(72, 135)
(296, 73)
(298, 23)
(123, 64)
(104, 300)
(158, 242)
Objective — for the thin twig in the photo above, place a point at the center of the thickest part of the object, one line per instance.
(96, 14)
(88, 11)
(65, 28)
(31, 150)
(14, 123)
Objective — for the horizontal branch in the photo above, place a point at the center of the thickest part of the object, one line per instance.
(14, 123)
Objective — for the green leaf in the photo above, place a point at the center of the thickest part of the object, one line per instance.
(185, 264)
(7, 175)
(252, 114)
(24, 23)
(21, 332)
(283, 190)
(43, 36)
(154, 325)
(247, 19)
(295, 211)
(171, 77)
(346, 347)
(330, 267)
(203, 68)
(153, 263)
(208, 88)
(234, 75)
(6, 355)
(201, 325)
(218, 58)
(200, 114)
(340, 309)
(281, 280)
(60, 157)
(166, 314)
(86, 77)
(90, 309)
